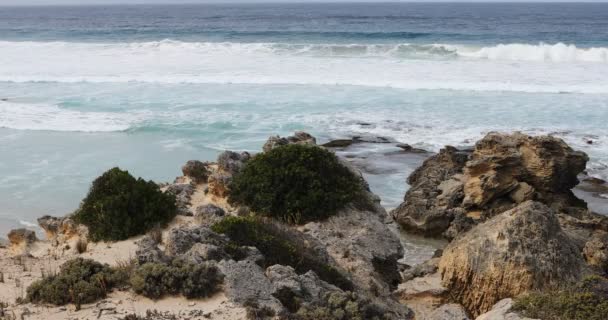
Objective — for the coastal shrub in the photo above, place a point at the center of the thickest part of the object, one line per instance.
(118, 206)
(587, 300)
(78, 281)
(340, 306)
(279, 245)
(154, 280)
(296, 184)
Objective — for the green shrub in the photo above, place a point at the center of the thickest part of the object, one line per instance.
(78, 281)
(279, 246)
(340, 306)
(154, 280)
(585, 301)
(119, 206)
(296, 184)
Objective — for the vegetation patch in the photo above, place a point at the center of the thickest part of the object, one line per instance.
(78, 281)
(586, 301)
(154, 280)
(296, 184)
(279, 245)
(118, 206)
(340, 306)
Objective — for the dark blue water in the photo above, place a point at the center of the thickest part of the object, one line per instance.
(580, 24)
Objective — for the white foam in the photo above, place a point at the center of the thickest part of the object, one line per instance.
(24, 116)
(541, 68)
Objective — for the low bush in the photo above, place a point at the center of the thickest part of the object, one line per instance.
(154, 280)
(118, 206)
(340, 306)
(279, 245)
(78, 281)
(586, 301)
(296, 184)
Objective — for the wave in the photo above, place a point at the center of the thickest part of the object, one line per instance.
(22, 116)
(543, 68)
(558, 52)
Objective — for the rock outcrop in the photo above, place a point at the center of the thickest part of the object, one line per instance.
(196, 170)
(436, 193)
(299, 137)
(517, 251)
(502, 311)
(21, 239)
(456, 189)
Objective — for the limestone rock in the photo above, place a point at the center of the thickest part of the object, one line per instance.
(361, 242)
(246, 282)
(501, 163)
(450, 311)
(148, 251)
(209, 214)
(435, 195)
(22, 237)
(196, 170)
(219, 183)
(180, 240)
(596, 250)
(55, 227)
(455, 189)
(502, 311)
(517, 251)
(183, 193)
(299, 137)
(231, 162)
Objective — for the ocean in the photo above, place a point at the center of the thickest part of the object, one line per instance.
(147, 88)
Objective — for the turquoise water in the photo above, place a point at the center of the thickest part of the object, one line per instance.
(148, 88)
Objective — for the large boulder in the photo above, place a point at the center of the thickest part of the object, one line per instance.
(456, 189)
(517, 167)
(435, 195)
(360, 241)
(196, 170)
(517, 251)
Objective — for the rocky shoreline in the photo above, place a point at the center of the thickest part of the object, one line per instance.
(505, 210)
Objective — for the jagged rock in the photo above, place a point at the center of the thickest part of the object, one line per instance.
(196, 170)
(408, 148)
(299, 137)
(502, 164)
(596, 250)
(420, 270)
(219, 183)
(428, 286)
(54, 226)
(502, 311)
(454, 190)
(232, 162)
(201, 252)
(209, 214)
(183, 193)
(289, 287)
(148, 251)
(517, 251)
(435, 195)
(372, 139)
(22, 237)
(361, 242)
(180, 240)
(450, 311)
(246, 282)
(338, 143)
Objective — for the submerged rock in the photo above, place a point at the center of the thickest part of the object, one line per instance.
(517, 251)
